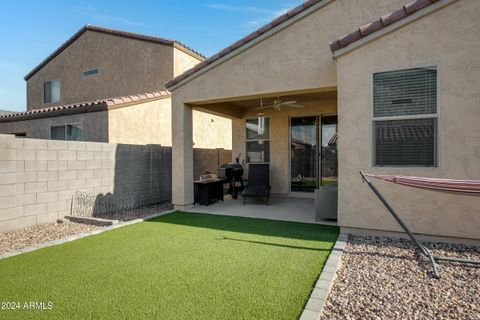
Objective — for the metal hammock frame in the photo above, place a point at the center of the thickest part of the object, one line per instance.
(433, 259)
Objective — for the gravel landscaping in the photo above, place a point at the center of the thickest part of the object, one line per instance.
(385, 278)
(39, 234)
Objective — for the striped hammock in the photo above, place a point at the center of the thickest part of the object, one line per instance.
(464, 186)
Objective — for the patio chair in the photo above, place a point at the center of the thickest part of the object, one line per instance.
(258, 182)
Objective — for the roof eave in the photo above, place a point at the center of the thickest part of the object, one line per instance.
(392, 27)
(245, 46)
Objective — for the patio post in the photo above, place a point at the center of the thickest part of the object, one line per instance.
(182, 154)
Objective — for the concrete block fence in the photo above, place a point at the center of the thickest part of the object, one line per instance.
(38, 178)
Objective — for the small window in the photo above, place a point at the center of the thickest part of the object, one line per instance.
(257, 145)
(405, 117)
(71, 132)
(90, 73)
(51, 91)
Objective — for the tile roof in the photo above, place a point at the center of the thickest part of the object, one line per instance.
(3, 112)
(80, 107)
(119, 33)
(291, 13)
(380, 23)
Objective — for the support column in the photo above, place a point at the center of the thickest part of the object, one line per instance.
(182, 154)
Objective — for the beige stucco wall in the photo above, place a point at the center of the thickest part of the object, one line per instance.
(296, 58)
(94, 124)
(182, 62)
(279, 139)
(210, 131)
(144, 123)
(126, 67)
(449, 39)
(150, 122)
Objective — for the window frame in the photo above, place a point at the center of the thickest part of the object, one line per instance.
(90, 75)
(59, 93)
(65, 125)
(256, 140)
(434, 116)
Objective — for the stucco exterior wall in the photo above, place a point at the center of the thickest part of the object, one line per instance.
(94, 125)
(449, 39)
(126, 67)
(182, 62)
(210, 131)
(296, 58)
(279, 140)
(144, 123)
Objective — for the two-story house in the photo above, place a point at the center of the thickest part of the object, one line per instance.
(109, 86)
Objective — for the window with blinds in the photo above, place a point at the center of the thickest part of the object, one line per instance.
(405, 117)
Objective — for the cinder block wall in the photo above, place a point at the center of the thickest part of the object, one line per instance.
(209, 160)
(38, 178)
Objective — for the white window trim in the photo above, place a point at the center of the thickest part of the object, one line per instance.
(65, 128)
(256, 140)
(407, 117)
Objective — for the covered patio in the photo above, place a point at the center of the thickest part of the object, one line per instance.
(280, 208)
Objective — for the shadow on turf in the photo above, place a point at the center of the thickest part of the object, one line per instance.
(275, 244)
(274, 228)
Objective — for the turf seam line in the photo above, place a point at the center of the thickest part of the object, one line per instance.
(81, 235)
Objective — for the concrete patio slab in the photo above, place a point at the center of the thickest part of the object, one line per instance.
(279, 208)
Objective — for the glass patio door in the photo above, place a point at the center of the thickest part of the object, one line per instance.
(303, 154)
(313, 152)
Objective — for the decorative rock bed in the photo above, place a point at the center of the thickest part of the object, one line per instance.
(36, 235)
(39, 234)
(385, 278)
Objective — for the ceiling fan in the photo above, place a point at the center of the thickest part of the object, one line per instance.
(279, 105)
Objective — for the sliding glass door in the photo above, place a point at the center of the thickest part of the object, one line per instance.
(313, 156)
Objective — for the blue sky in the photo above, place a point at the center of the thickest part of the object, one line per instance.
(31, 30)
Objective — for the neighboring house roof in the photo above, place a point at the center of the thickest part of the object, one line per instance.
(379, 24)
(281, 19)
(124, 34)
(81, 107)
(4, 112)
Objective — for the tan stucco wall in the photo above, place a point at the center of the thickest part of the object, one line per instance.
(126, 67)
(279, 139)
(94, 124)
(144, 123)
(296, 58)
(450, 39)
(182, 62)
(210, 131)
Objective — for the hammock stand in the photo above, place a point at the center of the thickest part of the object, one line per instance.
(433, 259)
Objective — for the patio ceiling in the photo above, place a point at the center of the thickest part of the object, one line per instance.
(240, 107)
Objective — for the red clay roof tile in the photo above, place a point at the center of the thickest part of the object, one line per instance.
(381, 23)
(105, 103)
(279, 20)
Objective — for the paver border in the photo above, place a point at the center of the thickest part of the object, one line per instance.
(82, 235)
(314, 306)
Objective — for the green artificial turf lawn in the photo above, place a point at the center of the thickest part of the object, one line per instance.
(178, 266)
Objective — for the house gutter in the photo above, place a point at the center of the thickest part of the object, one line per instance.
(394, 26)
(253, 42)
